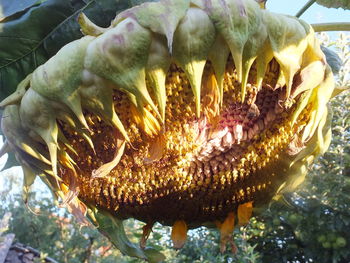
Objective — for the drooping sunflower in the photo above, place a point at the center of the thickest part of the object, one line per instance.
(186, 113)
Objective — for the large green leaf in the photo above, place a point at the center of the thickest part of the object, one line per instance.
(345, 4)
(11, 9)
(31, 34)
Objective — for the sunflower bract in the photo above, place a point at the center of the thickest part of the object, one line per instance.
(186, 113)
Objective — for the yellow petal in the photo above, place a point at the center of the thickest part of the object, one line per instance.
(179, 234)
(244, 213)
(211, 96)
(226, 231)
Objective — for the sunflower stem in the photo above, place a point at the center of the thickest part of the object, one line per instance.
(305, 7)
(342, 26)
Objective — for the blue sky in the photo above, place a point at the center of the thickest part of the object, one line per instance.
(315, 14)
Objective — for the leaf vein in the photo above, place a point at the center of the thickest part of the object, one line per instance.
(48, 35)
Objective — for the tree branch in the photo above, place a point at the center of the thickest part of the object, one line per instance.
(342, 26)
(305, 7)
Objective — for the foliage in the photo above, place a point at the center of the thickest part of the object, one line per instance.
(335, 3)
(52, 230)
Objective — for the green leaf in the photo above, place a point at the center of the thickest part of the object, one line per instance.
(345, 4)
(333, 59)
(113, 229)
(30, 39)
(11, 162)
(12, 9)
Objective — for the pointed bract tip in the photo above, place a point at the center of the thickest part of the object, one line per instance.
(87, 27)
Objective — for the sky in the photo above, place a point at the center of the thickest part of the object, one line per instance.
(315, 14)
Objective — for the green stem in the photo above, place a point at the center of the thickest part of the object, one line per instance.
(305, 7)
(343, 26)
